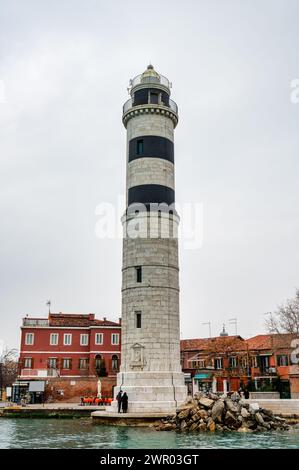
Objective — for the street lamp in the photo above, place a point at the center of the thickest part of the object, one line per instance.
(1, 379)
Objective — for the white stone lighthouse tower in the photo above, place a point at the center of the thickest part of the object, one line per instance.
(150, 371)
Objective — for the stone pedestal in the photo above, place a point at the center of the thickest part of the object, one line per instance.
(151, 391)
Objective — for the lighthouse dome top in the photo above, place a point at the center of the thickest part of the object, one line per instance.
(150, 77)
(150, 73)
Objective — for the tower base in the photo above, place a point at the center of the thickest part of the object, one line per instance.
(155, 392)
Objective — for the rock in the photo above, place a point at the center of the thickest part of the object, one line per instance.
(253, 407)
(249, 424)
(281, 420)
(193, 427)
(230, 405)
(184, 413)
(217, 410)
(211, 425)
(202, 427)
(206, 402)
(203, 414)
(244, 412)
(196, 417)
(244, 429)
(167, 427)
(235, 397)
(183, 426)
(268, 413)
(213, 396)
(230, 419)
(259, 418)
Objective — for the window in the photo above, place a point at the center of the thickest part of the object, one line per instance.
(154, 97)
(115, 338)
(253, 361)
(140, 147)
(83, 340)
(67, 339)
(282, 360)
(52, 363)
(53, 339)
(115, 362)
(66, 363)
(138, 274)
(218, 363)
(29, 339)
(201, 364)
(83, 363)
(28, 363)
(244, 361)
(233, 362)
(138, 319)
(99, 338)
(98, 362)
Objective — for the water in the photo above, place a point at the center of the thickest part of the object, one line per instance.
(81, 433)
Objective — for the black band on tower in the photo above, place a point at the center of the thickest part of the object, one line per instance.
(151, 96)
(151, 193)
(151, 146)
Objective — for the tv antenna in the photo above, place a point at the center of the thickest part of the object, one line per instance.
(234, 321)
(48, 303)
(210, 329)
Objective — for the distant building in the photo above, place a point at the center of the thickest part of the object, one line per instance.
(228, 363)
(69, 350)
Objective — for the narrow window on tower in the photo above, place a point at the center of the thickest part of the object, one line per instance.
(154, 98)
(138, 319)
(140, 147)
(138, 274)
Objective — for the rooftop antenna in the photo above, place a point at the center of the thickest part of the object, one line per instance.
(234, 321)
(48, 303)
(210, 330)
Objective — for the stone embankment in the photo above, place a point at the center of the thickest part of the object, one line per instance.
(213, 413)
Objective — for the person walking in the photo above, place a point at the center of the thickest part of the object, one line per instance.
(119, 400)
(124, 402)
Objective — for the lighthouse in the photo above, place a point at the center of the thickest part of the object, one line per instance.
(150, 371)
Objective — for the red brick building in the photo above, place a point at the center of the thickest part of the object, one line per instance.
(262, 363)
(69, 348)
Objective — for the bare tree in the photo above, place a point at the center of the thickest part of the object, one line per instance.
(9, 367)
(286, 318)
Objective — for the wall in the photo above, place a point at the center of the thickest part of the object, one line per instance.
(74, 389)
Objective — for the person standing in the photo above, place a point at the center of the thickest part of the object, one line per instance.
(124, 401)
(119, 400)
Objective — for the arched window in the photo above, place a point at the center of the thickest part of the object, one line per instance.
(98, 361)
(115, 362)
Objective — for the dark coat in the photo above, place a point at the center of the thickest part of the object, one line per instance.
(124, 401)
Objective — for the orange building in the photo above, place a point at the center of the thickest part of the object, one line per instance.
(229, 363)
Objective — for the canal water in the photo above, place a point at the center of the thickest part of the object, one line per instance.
(81, 433)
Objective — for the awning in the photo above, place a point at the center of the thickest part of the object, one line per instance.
(37, 386)
(202, 376)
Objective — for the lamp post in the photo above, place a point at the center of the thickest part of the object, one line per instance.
(1, 379)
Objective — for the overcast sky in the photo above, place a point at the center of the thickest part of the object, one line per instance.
(64, 71)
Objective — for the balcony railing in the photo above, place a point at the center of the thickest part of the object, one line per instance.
(129, 104)
(150, 79)
(39, 373)
(35, 322)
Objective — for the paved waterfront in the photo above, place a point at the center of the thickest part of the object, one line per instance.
(80, 433)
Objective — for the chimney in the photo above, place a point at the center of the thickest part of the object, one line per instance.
(119, 320)
(105, 319)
